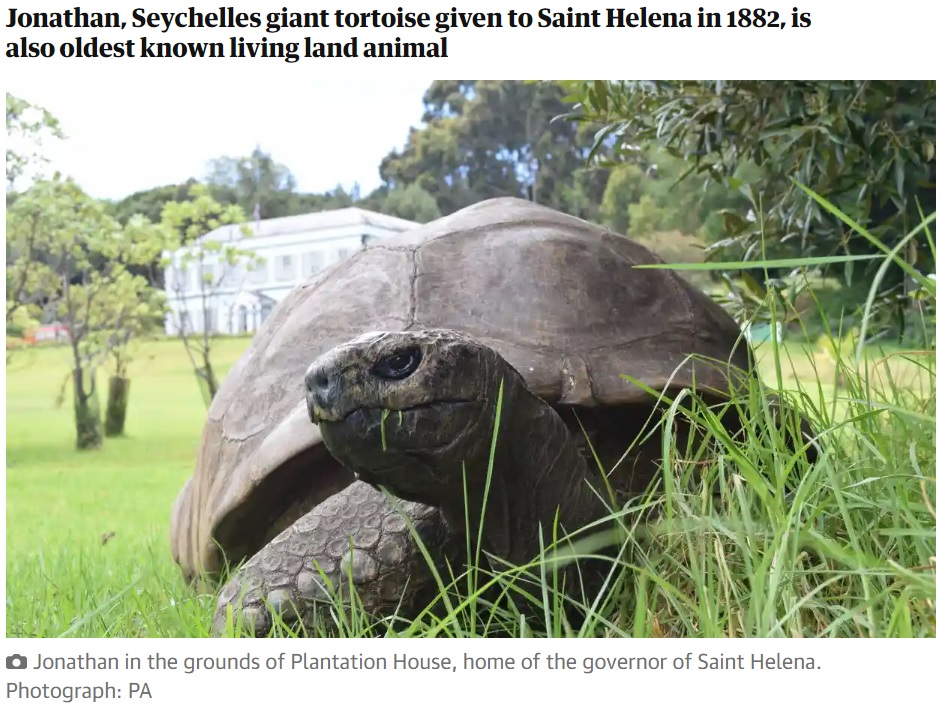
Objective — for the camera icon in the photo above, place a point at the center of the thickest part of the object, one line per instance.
(16, 661)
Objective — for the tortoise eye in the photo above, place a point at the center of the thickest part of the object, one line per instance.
(399, 365)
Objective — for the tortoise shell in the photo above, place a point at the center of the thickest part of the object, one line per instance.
(559, 298)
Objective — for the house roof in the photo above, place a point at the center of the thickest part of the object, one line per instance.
(315, 221)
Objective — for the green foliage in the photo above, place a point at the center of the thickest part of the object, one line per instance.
(19, 321)
(28, 126)
(31, 273)
(485, 139)
(244, 182)
(199, 214)
(412, 203)
(149, 203)
(868, 147)
(255, 179)
(135, 310)
(624, 188)
(648, 193)
(69, 262)
(216, 262)
(824, 168)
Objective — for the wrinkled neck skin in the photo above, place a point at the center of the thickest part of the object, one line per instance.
(540, 479)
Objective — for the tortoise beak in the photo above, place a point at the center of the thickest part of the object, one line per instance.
(312, 409)
(317, 408)
(323, 386)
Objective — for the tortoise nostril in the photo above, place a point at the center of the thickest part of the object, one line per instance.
(317, 380)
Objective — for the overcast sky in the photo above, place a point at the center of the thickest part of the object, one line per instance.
(128, 137)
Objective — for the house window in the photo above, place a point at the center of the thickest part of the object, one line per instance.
(285, 268)
(342, 253)
(258, 273)
(313, 263)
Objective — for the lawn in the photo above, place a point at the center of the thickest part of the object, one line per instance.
(62, 504)
(852, 554)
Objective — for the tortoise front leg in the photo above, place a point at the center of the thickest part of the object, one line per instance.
(354, 535)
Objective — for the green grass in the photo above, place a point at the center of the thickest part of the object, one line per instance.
(849, 552)
(61, 578)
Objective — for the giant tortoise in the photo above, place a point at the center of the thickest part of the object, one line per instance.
(381, 377)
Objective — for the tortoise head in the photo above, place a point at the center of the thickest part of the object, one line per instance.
(407, 410)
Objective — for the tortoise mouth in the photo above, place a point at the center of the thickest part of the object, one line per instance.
(367, 439)
(407, 451)
(373, 410)
(417, 426)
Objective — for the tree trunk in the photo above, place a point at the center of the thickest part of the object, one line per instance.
(208, 384)
(88, 429)
(119, 389)
(212, 382)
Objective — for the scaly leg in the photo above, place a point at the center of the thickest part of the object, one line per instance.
(355, 534)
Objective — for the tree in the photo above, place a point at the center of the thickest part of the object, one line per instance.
(866, 146)
(412, 203)
(624, 188)
(85, 285)
(484, 139)
(28, 126)
(133, 308)
(150, 203)
(31, 275)
(255, 180)
(27, 275)
(216, 263)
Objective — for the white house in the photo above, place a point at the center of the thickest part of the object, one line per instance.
(291, 249)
